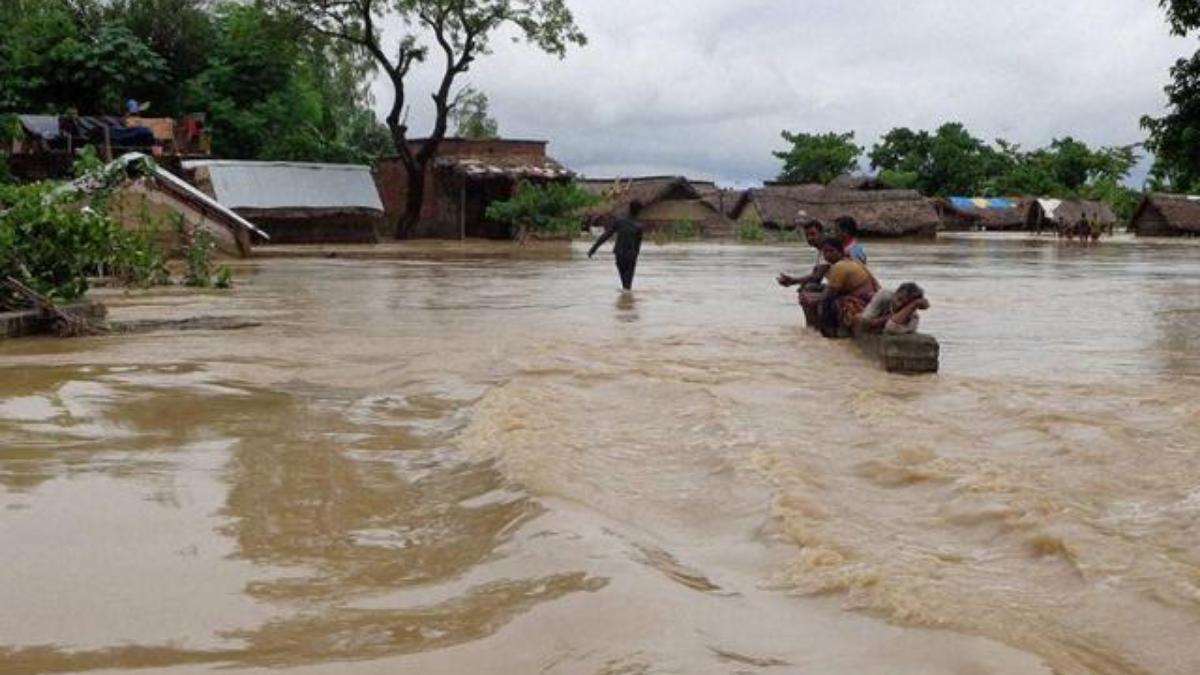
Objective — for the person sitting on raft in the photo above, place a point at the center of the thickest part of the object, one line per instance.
(848, 232)
(894, 312)
(814, 234)
(849, 286)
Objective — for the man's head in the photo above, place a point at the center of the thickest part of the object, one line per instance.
(906, 293)
(847, 227)
(814, 232)
(635, 208)
(831, 250)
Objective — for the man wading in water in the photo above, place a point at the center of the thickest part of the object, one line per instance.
(629, 243)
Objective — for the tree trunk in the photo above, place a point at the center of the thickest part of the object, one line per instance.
(414, 201)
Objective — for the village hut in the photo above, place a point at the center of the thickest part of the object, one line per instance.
(463, 179)
(151, 200)
(880, 213)
(296, 203)
(981, 213)
(724, 200)
(669, 203)
(1052, 214)
(1167, 215)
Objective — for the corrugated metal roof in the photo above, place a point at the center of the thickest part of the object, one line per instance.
(290, 185)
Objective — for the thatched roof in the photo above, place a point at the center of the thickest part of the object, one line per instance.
(881, 213)
(988, 213)
(1181, 212)
(619, 193)
(1071, 211)
(722, 199)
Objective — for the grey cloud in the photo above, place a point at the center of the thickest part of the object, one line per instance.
(704, 87)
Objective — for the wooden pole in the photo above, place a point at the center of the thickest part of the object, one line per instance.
(462, 210)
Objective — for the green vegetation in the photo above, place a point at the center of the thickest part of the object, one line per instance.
(52, 245)
(270, 88)
(751, 232)
(197, 254)
(1175, 137)
(818, 158)
(472, 116)
(459, 32)
(552, 209)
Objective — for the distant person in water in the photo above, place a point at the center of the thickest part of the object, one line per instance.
(848, 232)
(628, 232)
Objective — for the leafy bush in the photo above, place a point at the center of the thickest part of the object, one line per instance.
(684, 230)
(550, 209)
(53, 246)
(750, 232)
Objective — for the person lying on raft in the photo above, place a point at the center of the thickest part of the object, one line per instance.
(894, 312)
(849, 286)
(813, 234)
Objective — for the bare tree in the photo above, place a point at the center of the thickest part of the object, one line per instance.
(460, 31)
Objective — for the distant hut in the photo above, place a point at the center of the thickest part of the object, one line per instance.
(722, 199)
(294, 202)
(463, 179)
(1050, 214)
(880, 213)
(668, 202)
(981, 213)
(1167, 215)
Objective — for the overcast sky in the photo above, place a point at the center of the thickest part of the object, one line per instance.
(703, 87)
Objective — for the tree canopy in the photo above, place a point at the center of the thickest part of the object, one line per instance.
(458, 31)
(472, 116)
(1175, 136)
(818, 158)
(270, 88)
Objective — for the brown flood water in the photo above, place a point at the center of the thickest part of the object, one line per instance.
(475, 460)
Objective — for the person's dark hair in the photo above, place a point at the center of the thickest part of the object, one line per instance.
(910, 290)
(831, 242)
(848, 225)
(635, 207)
(811, 224)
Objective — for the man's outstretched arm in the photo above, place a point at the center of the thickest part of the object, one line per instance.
(608, 233)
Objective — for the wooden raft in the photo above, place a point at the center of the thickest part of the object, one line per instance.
(913, 354)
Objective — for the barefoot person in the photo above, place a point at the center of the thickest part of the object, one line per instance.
(628, 232)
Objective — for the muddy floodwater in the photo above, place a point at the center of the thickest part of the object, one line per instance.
(480, 459)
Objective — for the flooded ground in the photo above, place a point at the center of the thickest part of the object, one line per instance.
(471, 460)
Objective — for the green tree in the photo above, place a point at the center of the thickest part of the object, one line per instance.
(549, 209)
(1184, 15)
(471, 116)
(58, 55)
(460, 30)
(182, 32)
(1175, 137)
(818, 158)
(949, 161)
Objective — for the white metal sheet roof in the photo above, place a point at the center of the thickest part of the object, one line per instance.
(289, 185)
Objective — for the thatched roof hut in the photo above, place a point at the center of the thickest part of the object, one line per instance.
(1048, 214)
(982, 213)
(1167, 215)
(880, 213)
(667, 201)
(724, 200)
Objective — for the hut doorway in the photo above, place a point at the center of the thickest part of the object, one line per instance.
(478, 195)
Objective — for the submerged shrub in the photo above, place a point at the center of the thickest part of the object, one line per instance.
(53, 245)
